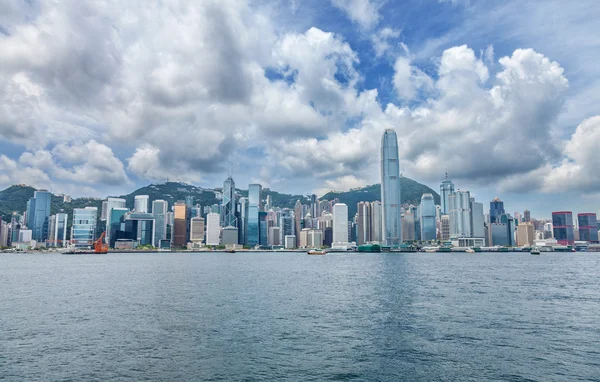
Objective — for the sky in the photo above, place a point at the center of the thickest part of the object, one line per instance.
(99, 98)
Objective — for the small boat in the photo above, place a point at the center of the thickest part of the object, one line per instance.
(535, 251)
(230, 250)
(470, 250)
(316, 252)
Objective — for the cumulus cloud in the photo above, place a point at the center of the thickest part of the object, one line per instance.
(381, 40)
(409, 79)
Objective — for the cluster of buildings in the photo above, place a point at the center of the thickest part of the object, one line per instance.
(253, 221)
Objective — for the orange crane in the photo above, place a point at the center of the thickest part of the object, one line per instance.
(99, 246)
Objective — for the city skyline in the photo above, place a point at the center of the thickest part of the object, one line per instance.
(299, 105)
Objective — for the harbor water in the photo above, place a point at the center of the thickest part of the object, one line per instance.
(290, 316)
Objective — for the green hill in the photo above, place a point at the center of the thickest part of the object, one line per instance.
(411, 194)
(15, 198)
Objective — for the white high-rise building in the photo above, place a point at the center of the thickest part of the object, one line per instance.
(60, 229)
(213, 229)
(477, 219)
(141, 204)
(459, 203)
(340, 223)
(376, 221)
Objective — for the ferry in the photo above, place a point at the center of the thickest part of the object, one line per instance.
(535, 251)
(316, 252)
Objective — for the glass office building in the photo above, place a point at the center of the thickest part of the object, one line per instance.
(428, 226)
(83, 230)
(390, 189)
(562, 225)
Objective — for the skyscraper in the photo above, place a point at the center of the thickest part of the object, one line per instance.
(376, 221)
(390, 189)
(159, 211)
(60, 229)
(525, 234)
(477, 220)
(180, 225)
(228, 207)
(562, 224)
(446, 188)
(38, 214)
(364, 223)
(428, 229)
(254, 204)
(496, 209)
(197, 229)
(83, 230)
(459, 203)
(526, 216)
(588, 227)
(110, 204)
(141, 204)
(340, 224)
(212, 229)
(297, 219)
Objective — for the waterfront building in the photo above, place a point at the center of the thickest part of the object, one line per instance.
(25, 236)
(59, 229)
(83, 229)
(243, 220)
(297, 221)
(525, 234)
(446, 189)
(229, 236)
(263, 228)
(304, 237)
(376, 221)
(197, 229)
(364, 223)
(274, 236)
(38, 214)
(315, 238)
(112, 203)
(117, 225)
(459, 203)
(562, 225)
(254, 207)
(427, 218)
(588, 227)
(228, 207)
(290, 241)
(340, 224)
(390, 190)
(213, 230)
(477, 220)
(141, 204)
(179, 237)
(499, 233)
(104, 213)
(408, 226)
(159, 211)
(445, 227)
(496, 209)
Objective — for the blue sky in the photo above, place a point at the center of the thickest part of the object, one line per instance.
(100, 97)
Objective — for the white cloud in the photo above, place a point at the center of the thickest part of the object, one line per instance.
(409, 80)
(363, 12)
(381, 40)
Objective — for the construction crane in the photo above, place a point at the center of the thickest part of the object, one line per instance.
(99, 246)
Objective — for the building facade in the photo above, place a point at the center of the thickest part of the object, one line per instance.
(563, 228)
(427, 210)
(588, 227)
(446, 189)
(340, 224)
(390, 190)
(213, 230)
(83, 229)
(179, 237)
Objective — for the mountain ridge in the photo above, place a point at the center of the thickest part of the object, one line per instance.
(15, 197)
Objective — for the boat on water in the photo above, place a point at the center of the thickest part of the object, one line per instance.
(470, 250)
(230, 251)
(535, 251)
(316, 252)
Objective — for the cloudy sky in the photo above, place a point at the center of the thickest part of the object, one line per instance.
(100, 97)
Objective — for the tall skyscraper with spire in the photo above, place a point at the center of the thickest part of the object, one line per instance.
(228, 218)
(446, 188)
(390, 189)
